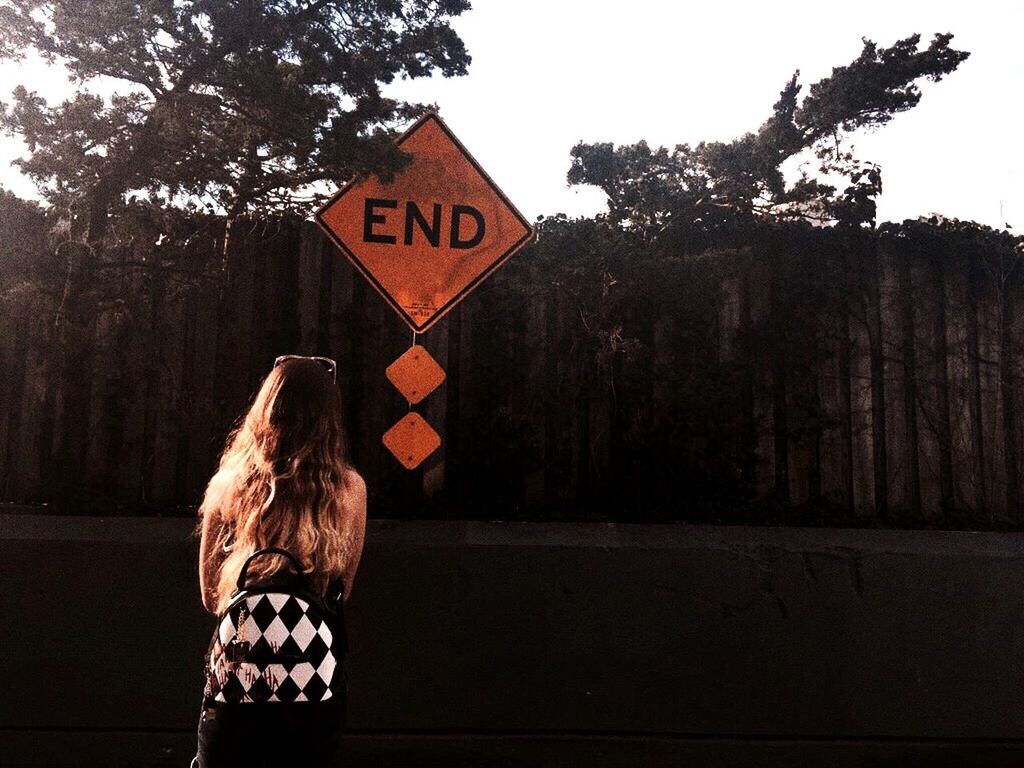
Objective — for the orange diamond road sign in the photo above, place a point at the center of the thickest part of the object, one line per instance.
(432, 234)
(411, 440)
(415, 374)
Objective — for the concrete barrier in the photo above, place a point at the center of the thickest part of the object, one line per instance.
(514, 642)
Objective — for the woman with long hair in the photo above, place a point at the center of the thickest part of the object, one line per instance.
(284, 480)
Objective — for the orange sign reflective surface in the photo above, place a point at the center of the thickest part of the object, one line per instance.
(429, 237)
(415, 374)
(411, 440)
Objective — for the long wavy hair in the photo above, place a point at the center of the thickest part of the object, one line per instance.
(282, 481)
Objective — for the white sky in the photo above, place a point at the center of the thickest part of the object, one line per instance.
(548, 74)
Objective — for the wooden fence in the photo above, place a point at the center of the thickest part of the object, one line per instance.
(870, 382)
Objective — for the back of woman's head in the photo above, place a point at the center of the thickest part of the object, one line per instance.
(282, 478)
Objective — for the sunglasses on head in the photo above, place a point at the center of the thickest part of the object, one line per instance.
(329, 365)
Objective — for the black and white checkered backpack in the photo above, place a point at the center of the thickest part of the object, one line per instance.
(276, 641)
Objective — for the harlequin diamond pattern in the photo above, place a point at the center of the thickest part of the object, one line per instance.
(271, 647)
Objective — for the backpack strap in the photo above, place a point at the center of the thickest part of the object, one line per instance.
(336, 605)
(335, 593)
(296, 565)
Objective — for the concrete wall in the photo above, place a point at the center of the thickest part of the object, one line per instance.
(516, 643)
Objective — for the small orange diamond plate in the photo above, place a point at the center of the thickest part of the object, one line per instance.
(411, 440)
(415, 374)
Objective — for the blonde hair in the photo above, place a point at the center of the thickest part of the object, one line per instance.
(281, 481)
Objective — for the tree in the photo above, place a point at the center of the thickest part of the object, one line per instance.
(717, 187)
(22, 234)
(234, 107)
(725, 195)
(235, 103)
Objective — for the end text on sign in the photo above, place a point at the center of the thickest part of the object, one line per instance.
(465, 224)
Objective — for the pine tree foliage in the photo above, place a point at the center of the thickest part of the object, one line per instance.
(238, 105)
(716, 187)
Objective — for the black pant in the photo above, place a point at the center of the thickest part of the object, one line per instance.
(301, 734)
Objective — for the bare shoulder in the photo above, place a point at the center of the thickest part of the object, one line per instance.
(354, 493)
(354, 501)
(355, 484)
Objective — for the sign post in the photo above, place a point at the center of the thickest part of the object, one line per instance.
(424, 240)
